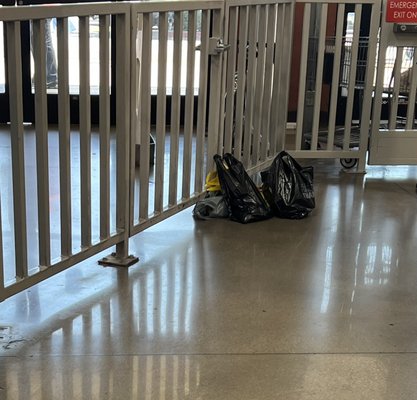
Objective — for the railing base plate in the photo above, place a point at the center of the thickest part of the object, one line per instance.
(114, 261)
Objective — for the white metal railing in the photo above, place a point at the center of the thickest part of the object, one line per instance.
(256, 79)
(222, 76)
(182, 148)
(319, 131)
(71, 247)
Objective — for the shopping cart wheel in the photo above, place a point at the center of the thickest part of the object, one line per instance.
(348, 163)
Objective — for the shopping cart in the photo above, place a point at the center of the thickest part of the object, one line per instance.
(344, 84)
(339, 137)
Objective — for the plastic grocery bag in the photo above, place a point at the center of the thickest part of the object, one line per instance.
(246, 203)
(211, 207)
(288, 187)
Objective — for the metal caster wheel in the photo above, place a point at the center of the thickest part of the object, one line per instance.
(348, 163)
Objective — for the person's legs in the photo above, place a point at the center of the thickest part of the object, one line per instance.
(51, 69)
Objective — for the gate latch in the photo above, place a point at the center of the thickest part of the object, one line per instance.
(216, 46)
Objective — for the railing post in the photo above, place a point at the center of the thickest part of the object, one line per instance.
(85, 131)
(123, 144)
(64, 137)
(14, 64)
(104, 124)
(369, 80)
(41, 126)
(285, 75)
(215, 143)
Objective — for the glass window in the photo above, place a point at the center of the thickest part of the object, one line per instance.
(73, 44)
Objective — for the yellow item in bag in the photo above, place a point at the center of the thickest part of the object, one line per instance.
(212, 182)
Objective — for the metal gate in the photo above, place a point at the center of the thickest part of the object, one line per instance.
(394, 131)
(256, 79)
(336, 52)
(176, 56)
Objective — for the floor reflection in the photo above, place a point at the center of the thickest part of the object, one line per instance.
(137, 377)
(356, 220)
(152, 303)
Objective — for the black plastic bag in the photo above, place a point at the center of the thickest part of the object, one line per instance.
(211, 207)
(288, 187)
(244, 199)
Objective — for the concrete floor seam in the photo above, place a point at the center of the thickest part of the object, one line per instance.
(382, 353)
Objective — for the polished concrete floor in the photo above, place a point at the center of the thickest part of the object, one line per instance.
(321, 308)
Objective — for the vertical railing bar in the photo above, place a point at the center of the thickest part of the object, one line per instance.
(369, 87)
(379, 87)
(41, 130)
(412, 93)
(189, 106)
(276, 89)
(352, 77)
(214, 92)
(202, 101)
(267, 95)
(124, 136)
(136, 23)
(250, 81)
(288, 29)
(85, 131)
(393, 100)
(145, 109)
(222, 98)
(335, 75)
(64, 137)
(230, 79)
(104, 125)
(14, 68)
(303, 76)
(319, 77)
(161, 112)
(258, 134)
(175, 109)
(241, 81)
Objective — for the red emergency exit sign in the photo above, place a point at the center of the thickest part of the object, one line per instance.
(402, 11)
